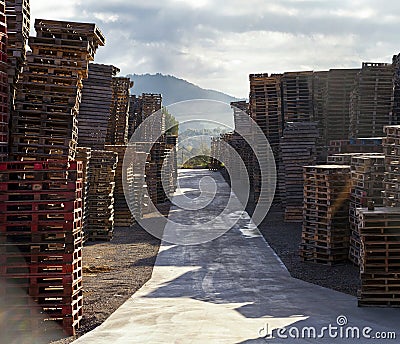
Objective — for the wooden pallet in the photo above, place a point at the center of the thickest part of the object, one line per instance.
(371, 101)
(298, 148)
(380, 259)
(100, 194)
(326, 228)
(96, 107)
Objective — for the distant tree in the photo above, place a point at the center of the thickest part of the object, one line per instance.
(170, 122)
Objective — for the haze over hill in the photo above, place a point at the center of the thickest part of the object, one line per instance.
(173, 89)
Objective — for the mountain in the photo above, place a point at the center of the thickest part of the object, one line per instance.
(173, 89)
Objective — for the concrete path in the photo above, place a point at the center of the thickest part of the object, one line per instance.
(233, 290)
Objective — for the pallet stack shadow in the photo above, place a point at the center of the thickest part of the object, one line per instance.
(298, 149)
(44, 136)
(4, 91)
(325, 231)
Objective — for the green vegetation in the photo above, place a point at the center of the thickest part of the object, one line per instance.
(171, 123)
(200, 161)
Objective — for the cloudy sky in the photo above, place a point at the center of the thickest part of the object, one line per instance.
(216, 44)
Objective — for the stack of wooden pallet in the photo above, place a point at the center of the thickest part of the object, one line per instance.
(122, 214)
(391, 145)
(240, 110)
(244, 127)
(319, 92)
(4, 109)
(336, 118)
(154, 183)
(83, 154)
(18, 27)
(231, 160)
(325, 233)
(396, 89)
(43, 138)
(357, 145)
(371, 101)
(100, 196)
(118, 127)
(266, 105)
(266, 111)
(215, 162)
(94, 112)
(135, 162)
(135, 114)
(41, 246)
(380, 247)
(45, 121)
(367, 184)
(142, 108)
(298, 149)
(172, 156)
(151, 104)
(342, 158)
(169, 173)
(297, 97)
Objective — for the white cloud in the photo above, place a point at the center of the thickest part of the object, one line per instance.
(106, 17)
(217, 44)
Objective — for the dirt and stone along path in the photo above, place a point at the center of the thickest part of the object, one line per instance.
(233, 289)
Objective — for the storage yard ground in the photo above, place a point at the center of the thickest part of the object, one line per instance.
(226, 290)
(110, 278)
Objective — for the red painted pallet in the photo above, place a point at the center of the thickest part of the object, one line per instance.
(48, 227)
(34, 218)
(39, 187)
(41, 269)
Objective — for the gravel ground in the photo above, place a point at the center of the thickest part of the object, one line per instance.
(285, 239)
(112, 272)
